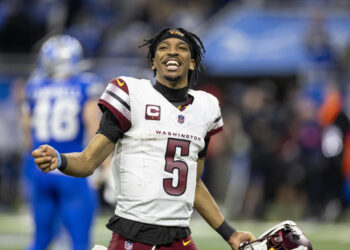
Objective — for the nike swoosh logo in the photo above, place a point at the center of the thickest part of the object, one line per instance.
(120, 83)
(185, 243)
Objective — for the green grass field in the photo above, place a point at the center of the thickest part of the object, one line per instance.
(15, 230)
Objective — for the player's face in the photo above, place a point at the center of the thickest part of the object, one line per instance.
(172, 61)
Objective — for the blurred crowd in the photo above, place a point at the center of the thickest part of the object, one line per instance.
(277, 157)
(105, 28)
(285, 143)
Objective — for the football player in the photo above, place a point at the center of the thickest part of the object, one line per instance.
(159, 134)
(61, 110)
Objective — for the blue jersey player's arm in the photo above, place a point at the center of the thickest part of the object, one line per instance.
(91, 117)
(25, 126)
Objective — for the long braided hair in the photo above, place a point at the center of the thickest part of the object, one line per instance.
(196, 47)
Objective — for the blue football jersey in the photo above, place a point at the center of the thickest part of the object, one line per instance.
(56, 109)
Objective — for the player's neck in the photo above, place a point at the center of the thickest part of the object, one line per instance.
(173, 83)
(171, 94)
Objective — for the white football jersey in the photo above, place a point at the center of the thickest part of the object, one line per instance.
(155, 162)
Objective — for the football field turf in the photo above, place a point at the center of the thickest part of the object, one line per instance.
(15, 229)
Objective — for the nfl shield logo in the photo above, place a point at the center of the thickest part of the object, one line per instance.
(128, 245)
(181, 119)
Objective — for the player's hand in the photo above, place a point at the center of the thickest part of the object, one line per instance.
(45, 158)
(239, 237)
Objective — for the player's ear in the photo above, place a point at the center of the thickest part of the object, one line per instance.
(153, 64)
(192, 64)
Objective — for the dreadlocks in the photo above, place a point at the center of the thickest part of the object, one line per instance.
(194, 42)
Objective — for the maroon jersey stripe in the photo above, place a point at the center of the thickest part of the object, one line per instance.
(214, 131)
(123, 121)
(120, 83)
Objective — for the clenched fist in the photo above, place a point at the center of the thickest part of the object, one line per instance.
(45, 158)
(239, 237)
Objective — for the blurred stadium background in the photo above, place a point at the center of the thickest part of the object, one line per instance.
(281, 72)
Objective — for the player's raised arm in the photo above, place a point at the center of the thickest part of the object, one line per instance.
(80, 164)
(209, 210)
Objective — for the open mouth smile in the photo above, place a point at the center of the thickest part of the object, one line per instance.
(172, 64)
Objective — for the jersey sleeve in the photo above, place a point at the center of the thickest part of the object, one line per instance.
(217, 124)
(116, 99)
(110, 127)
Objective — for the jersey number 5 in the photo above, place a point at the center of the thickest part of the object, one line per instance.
(173, 166)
